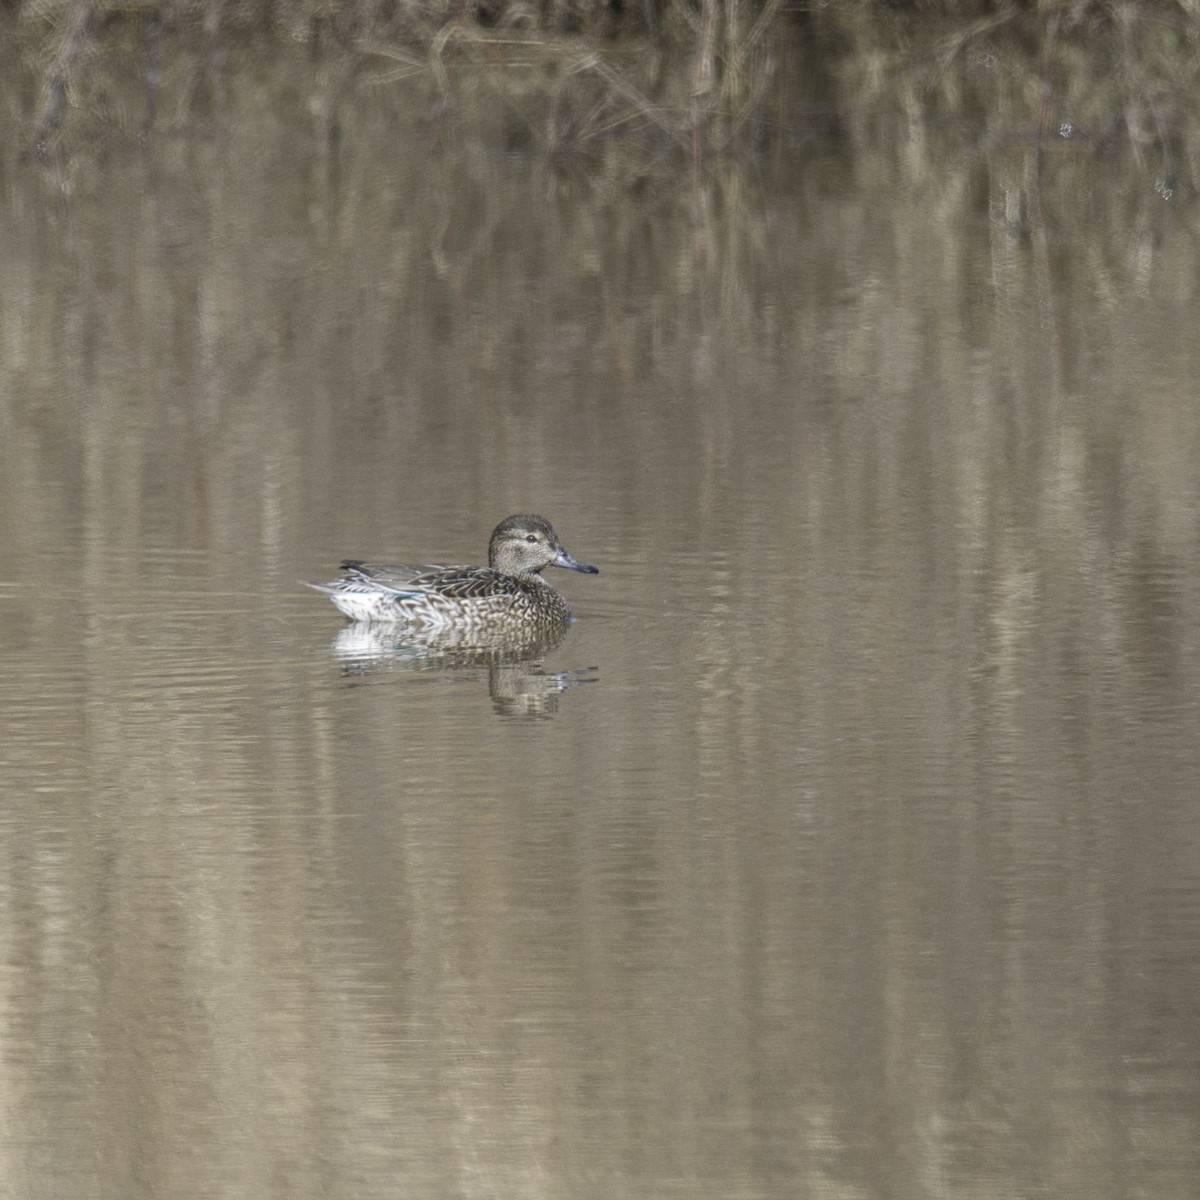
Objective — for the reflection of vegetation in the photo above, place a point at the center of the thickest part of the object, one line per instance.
(701, 77)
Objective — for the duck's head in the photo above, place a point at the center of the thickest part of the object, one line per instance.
(526, 545)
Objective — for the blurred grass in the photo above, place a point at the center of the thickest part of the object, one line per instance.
(701, 80)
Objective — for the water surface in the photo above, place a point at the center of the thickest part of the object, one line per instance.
(848, 843)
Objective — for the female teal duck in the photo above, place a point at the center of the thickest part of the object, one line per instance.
(508, 595)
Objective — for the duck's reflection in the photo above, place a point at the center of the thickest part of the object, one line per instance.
(517, 682)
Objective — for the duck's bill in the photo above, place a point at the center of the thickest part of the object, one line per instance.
(563, 559)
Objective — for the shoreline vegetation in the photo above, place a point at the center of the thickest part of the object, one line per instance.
(702, 78)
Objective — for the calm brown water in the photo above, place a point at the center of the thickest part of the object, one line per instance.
(849, 845)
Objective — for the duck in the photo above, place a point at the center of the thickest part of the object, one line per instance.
(508, 596)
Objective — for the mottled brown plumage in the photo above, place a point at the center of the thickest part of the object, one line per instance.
(508, 594)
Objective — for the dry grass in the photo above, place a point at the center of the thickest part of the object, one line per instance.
(700, 79)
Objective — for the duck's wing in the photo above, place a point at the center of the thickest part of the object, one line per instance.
(462, 583)
(391, 576)
(409, 579)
